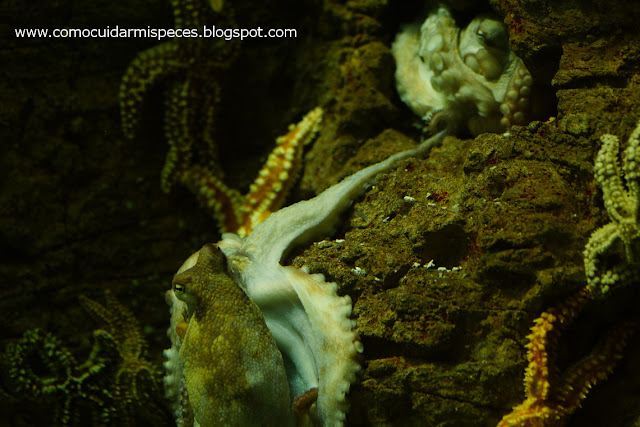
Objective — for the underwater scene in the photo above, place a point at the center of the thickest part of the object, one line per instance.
(320, 213)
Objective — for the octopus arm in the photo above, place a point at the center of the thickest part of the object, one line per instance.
(312, 328)
(299, 359)
(337, 346)
(311, 219)
(479, 95)
(289, 323)
(414, 78)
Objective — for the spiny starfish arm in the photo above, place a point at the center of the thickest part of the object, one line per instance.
(130, 340)
(602, 279)
(598, 244)
(543, 336)
(177, 131)
(209, 109)
(103, 352)
(195, 14)
(608, 174)
(268, 191)
(185, 130)
(98, 312)
(58, 363)
(595, 367)
(216, 5)
(187, 13)
(536, 379)
(143, 72)
(530, 413)
(540, 407)
(220, 201)
(631, 168)
(120, 323)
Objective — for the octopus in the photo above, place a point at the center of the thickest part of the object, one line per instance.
(462, 80)
(220, 309)
(256, 342)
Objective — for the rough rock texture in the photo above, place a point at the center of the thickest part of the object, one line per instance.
(81, 208)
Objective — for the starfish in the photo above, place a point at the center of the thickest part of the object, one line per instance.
(240, 214)
(115, 384)
(40, 368)
(549, 397)
(243, 325)
(623, 206)
(121, 330)
(189, 66)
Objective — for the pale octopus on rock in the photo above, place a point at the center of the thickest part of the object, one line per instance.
(258, 343)
(461, 79)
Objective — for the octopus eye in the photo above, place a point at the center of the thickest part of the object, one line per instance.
(178, 288)
(493, 34)
(421, 58)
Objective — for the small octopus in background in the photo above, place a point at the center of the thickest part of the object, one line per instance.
(461, 80)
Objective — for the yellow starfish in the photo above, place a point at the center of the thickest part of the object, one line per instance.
(240, 214)
(190, 67)
(551, 397)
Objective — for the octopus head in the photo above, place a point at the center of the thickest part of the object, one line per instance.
(484, 47)
(232, 368)
(182, 284)
(491, 33)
